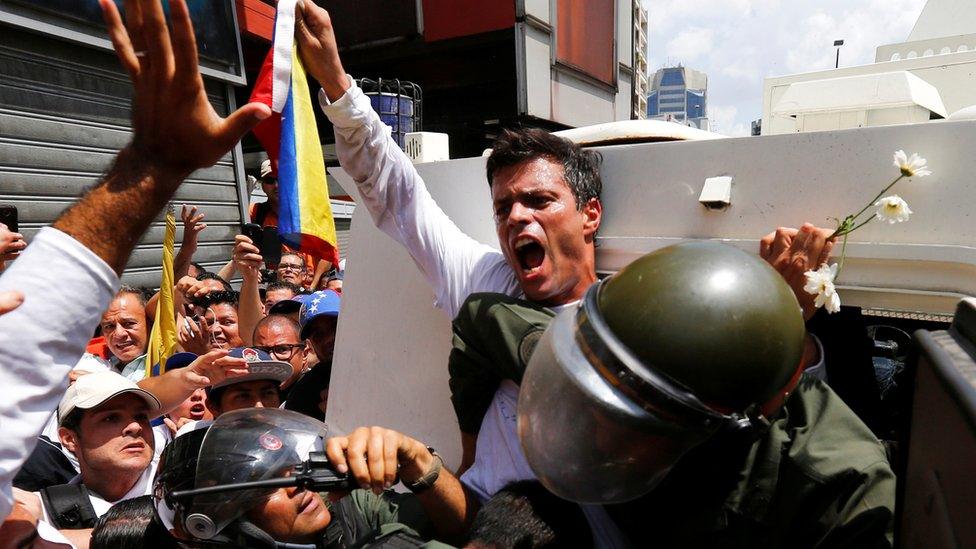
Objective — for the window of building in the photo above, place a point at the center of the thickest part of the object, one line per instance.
(679, 108)
(673, 78)
(585, 37)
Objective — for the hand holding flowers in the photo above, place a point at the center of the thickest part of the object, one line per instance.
(892, 209)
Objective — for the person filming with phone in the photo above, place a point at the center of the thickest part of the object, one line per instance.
(11, 241)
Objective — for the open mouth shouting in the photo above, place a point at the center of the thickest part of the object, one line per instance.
(198, 411)
(530, 254)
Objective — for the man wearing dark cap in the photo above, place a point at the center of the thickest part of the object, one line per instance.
(260, 387)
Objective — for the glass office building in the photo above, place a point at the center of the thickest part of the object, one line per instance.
(679, 94)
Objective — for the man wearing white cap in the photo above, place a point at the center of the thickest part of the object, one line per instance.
(103, 419)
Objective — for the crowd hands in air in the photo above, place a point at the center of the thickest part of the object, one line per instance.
(269, 346)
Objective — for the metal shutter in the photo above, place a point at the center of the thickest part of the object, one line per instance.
(343, 233)
(64, 113)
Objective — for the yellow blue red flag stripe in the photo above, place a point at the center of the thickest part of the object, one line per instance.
(291, 139)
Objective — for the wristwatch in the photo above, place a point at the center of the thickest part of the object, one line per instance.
(425, 482)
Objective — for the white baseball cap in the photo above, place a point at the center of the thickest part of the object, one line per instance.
(92, 390)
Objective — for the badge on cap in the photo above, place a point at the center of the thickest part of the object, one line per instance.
(270, 442)
(250, 355)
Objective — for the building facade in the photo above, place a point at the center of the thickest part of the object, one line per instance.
(679, 94)
(929, 76)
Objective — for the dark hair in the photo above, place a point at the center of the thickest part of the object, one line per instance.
(131, 524)
(524, 515)
(298, 255)
(581, 167)
(215, 298)
(206, 275)
(283, 285)
(72, 421)
(139, 293)
(199, 267)
(214, 394)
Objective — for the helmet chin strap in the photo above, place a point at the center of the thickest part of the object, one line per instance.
(756, 417)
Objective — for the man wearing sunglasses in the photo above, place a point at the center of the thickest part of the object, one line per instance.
(279, 336)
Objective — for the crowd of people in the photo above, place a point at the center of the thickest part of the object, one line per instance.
(696, 398)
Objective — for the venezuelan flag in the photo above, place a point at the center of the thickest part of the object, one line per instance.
(291, 138)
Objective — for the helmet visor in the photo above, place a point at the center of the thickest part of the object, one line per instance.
(244, 446)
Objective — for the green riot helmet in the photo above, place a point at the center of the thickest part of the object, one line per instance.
(680, 344)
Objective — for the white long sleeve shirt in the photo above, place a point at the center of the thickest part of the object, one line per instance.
(454, 264)
(66, 289)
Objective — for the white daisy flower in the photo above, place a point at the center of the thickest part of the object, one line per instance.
(821, 284)
(892, 209)
(911, 166)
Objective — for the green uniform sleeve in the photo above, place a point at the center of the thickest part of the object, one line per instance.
(391, 507)
(494, 335)
(863, 517)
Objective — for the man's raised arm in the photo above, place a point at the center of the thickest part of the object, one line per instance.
(453, 263)
(175, 130)
(69, 273)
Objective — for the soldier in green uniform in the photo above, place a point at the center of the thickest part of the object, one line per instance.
(673, 393)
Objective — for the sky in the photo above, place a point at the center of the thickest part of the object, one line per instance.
(737, 43)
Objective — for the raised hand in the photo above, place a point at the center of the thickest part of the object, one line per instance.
(318, 49)
(793, 252)
(247, 258)
(193, 225)
(192, 288)
(175, 128)
(11, 244)
(194, 337)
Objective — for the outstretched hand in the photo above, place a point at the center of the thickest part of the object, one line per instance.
(213, 367)
(175, 128)
(793, 252)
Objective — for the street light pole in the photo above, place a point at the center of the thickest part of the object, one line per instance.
(838, 44)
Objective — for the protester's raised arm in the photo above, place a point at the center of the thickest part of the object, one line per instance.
(318, 48)
(193, 225)
(175, 130)
(250, 310)
(175, 386)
